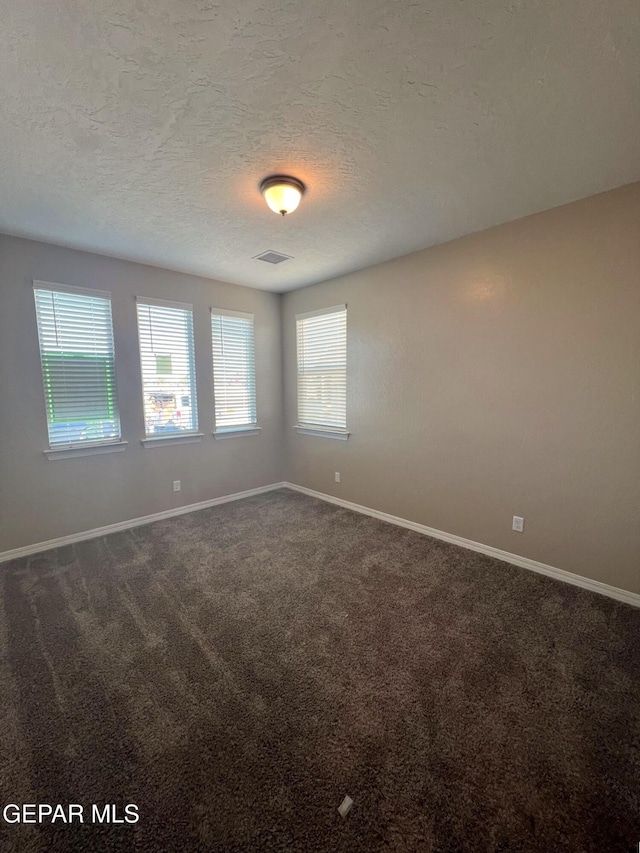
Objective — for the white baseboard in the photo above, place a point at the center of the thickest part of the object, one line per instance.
(134, 522)
(523, 562)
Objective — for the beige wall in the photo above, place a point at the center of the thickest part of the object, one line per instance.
(42, 499)
(493, 376)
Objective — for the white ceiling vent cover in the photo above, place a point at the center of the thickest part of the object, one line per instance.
(271, 257)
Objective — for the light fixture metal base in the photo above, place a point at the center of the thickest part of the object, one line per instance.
(272, 180)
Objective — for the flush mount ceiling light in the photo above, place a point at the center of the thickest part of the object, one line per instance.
(282, 193)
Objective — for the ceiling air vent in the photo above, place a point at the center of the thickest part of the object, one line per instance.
(270, 257)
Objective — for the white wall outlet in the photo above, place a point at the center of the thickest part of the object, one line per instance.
(337, 476)
(176, 485)
(518, 524)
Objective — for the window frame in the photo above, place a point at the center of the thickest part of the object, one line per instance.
(88, 447)
(182, 436)
(318, 429)
(235, 430)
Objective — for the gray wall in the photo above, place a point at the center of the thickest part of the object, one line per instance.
(493, 376)
(42, 499)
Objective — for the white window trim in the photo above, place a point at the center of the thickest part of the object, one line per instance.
(70, 288)
(90, 450)
(95, 449)
(166, 440)
(236, 432)
(319, 312)
(242, 429)
(181, 438)
(319, 430)
(227, 312)
(164, 303)
(322, 432)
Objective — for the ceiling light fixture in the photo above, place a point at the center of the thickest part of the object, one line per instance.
(282, 193)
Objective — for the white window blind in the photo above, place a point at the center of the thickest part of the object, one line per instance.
(78, 365)
(322, 367)
(165, 331)
(234, 369)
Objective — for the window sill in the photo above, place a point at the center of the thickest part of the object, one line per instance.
(323, 432)
(164, 440)
(236, 432)
(86, 450)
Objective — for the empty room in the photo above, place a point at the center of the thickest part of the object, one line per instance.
(320, 406)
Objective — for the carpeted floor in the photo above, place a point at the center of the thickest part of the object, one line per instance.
(236, 671)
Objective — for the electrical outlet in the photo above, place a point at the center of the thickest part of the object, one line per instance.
(518, 524)
(337, 476)
(176, 485)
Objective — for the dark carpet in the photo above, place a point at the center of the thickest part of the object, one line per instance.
(236, 671)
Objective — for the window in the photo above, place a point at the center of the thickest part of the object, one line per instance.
(78, 365)
(165, 331)
(234, 370)
(322, 371)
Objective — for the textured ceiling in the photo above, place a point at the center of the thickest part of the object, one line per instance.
(142, 128)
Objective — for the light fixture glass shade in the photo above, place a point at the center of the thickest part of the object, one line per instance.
(282, 194)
